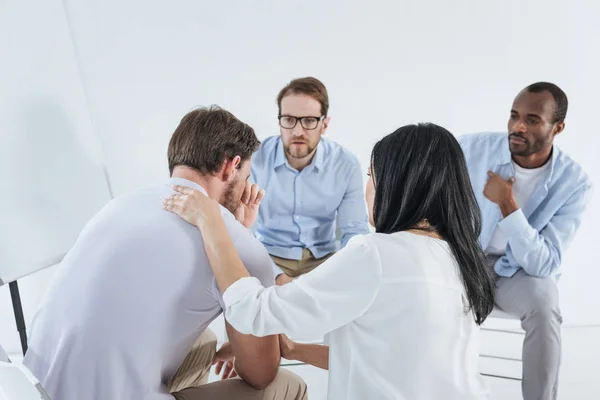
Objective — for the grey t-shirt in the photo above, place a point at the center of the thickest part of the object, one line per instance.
(129, 300)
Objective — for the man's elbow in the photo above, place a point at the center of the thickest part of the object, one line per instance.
(544, 269)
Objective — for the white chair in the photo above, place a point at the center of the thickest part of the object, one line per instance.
(502, 343)
(17, 382)
(498, 313)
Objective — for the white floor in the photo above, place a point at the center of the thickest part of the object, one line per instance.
(580, 372)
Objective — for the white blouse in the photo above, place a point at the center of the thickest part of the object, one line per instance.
(394, 311)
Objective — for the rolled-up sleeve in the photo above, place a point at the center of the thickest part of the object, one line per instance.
(336, 293)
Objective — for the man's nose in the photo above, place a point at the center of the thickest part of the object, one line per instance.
(519, 126)
(298, 130)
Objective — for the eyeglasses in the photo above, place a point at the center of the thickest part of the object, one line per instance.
(308, 123)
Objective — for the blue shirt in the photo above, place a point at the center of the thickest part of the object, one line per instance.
(299, 209)
(540, 231)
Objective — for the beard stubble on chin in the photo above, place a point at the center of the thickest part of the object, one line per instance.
(296, 154)
(228, 199)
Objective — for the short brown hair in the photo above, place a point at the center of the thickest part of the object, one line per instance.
(206, 137)
(309, 86)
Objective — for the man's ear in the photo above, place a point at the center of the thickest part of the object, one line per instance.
(325, 125)
(229, 167)
(559, 127)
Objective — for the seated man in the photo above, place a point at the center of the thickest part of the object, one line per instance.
(309, 181)
(532, 197)
(136, 291)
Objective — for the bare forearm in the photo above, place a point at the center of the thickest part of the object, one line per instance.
(256, 359)
(222, 255)
(313, 354)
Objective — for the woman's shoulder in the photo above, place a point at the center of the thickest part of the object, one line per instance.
(410, 252)
(400, 240)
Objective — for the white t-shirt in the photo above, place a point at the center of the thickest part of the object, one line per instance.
(526, 183)
(393, 309)
(129, 300)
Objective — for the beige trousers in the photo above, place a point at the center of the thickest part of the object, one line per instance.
(295, 268)
(190, 380)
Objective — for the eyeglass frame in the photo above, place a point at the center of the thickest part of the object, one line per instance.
(319, 119)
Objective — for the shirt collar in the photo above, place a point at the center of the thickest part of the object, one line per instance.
(279, 155)
(192, 185)
(281, 159)
(187, 183)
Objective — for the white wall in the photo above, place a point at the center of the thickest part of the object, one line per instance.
(456, 63)
(50, 161)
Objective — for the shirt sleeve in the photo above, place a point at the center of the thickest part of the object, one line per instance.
(336, 293)
(352, 217)
(540, 253)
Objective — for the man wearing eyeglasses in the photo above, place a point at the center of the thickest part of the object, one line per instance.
(313, 186)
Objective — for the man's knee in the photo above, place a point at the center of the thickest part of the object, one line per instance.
(195, 368)
(207, 342)
(286, 386)
(542, 305)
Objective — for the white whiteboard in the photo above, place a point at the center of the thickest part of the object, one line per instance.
(51, 168)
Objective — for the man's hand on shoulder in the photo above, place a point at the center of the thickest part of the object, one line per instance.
(247, 211)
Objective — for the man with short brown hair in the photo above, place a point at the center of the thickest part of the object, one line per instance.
(313, 186)
(136, 291)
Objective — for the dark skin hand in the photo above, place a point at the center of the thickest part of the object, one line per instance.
(500, 191)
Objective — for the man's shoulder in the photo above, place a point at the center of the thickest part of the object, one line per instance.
(484, 147)
(336, 153)
(265, 152)
(267, 146)
(572, 170)
(488, 139)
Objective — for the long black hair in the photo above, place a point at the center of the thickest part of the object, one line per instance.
(420, 173)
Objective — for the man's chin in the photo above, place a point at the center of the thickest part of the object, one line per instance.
(298, 153)
(519, 149)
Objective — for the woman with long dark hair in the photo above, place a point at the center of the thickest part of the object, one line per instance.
(401, 306)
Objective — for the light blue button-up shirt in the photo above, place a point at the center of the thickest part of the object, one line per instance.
(299, 209)
(540, 231)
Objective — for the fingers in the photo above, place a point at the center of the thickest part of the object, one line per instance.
(259, 196)
(174, 202)
(253, 193)
(219, 367)
(247, 193)
(227, 371)
(183, 189)
(511, 180)
(491, 174)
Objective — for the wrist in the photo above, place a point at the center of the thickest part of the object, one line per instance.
(292, 353)
(508, 206)
(210, 224)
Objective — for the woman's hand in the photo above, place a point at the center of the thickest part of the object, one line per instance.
(193, 206)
